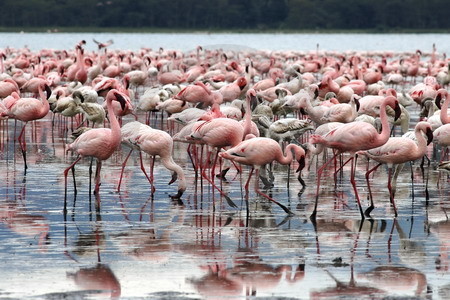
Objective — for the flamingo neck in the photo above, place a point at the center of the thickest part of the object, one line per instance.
(170, 164)
(314, 112)
(287, 157)
(248, 117)
(385, 130)
(444, 117)
(46, 106)
(114, 124)
(421, 142)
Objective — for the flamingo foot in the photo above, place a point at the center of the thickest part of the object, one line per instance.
(267, 183)
(230, 202)
(222, 174)
(177, 196)
(286, 210)
(368, 211)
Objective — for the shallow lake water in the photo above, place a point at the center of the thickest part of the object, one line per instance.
(141, 245)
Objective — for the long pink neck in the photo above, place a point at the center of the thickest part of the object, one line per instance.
(114, 124)
(45, 105)
(421, 142)
(287, 157)
(444, 117)
(248, 117)
(385, 129)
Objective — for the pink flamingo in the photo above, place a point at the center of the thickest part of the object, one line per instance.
(28, 109)
(353, 137)
(233, 90)
(99, 142)
(257, 152)
(7, 86)
(398, 150)
(441, 135)
(153, 142)
(199, 93)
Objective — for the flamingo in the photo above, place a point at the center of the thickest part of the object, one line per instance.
(153, 142)
(28, 109)
(259, 151)
(99, 142)
(398, 150)
(353, 137)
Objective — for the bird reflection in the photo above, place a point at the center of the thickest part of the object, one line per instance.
(351, 290)
(97, 278)
(18, 220)
(397, 279)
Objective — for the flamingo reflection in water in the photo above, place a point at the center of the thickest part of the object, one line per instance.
(98, 279)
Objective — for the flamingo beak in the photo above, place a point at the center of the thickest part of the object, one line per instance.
(121, 100)
(174, 178)
(303, 111)
(178, 195)
(358, 105)
(429, 136)
(437, 101)
(48, 90)
(301, 164)
(398, 111)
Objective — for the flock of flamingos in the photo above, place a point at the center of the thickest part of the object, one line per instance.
(235, 108)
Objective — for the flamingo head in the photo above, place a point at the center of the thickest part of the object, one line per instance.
(441, 94)
(121, 99)
(242, 82)
(393, 103)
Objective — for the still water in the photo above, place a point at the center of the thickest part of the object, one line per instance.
(189, 41)
(139, 245)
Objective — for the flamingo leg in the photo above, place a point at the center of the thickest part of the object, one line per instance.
(23, 145)
(66, 172)
(319, 174)
(145, 173)
(192, 160)
(287, 210)
(371, 207)
(248, 180)
(152, 166)
(123, 168)
(97, 178)
(391, 195)
(228, 199)
(353, 182)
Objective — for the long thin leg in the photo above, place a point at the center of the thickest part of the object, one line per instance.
(152, 167)
(391, 195)
(145, 173)
(66, 171)
(287, 210)
(97, 177)
(352, 180)
(248, 180)
(123, 168)
(23, 145)
(319, 174)
(228, 199)
(371, 207)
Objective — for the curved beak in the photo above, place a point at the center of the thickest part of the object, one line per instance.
(121, 100)
(438, 100)
(174, 178)
(48, 90)
(429, 136)
(398, 111)
(358, 105)
(301, 164)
